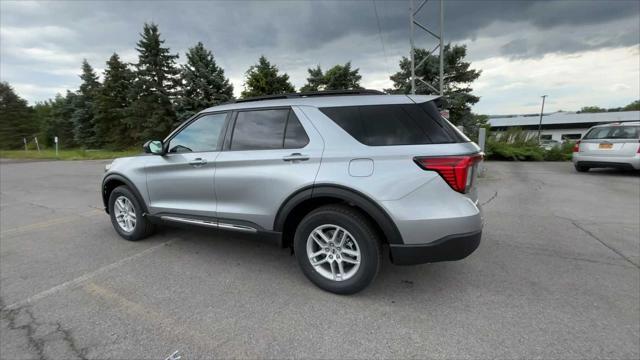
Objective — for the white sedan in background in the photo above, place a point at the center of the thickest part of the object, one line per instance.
(614, 145)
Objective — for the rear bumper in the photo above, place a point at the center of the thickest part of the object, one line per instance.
(622, 162)
(449, 248)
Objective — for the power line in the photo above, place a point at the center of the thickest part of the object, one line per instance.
(384, 49)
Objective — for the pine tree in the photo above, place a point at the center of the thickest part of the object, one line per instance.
(315, 81)
(152, 114)
(56, 120)
(17, 120)
(458, 77)
(203, 83)
(113, 101)
(339, 77)
(84, 114)
(263, 79)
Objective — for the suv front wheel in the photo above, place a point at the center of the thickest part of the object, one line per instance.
(338, 249)
(127, 216)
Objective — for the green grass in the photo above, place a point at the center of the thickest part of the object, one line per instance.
(75, 154)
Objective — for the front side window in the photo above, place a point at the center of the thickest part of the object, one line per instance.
(203, 134)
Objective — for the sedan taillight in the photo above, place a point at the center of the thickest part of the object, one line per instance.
(457, 171)
(576, 147)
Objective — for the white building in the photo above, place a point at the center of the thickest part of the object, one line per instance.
(561, 125)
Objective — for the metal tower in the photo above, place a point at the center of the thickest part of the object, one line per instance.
(413, 11)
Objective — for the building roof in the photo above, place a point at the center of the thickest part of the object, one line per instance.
(325, 101)
(566, 118)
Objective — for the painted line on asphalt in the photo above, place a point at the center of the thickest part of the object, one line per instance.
(81, 279)
(52, 222)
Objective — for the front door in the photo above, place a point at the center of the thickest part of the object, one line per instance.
(271, 154)
(182, 180)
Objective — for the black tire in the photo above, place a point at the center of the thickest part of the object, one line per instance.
(359, 226)
(581, 168)
(143, 226)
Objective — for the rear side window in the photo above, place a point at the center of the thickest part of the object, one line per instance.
(268, 129)
(614, 132)
(295, 136)
(398, 124)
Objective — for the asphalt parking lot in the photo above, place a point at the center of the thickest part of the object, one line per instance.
(556, 276)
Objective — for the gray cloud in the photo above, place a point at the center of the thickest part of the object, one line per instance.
(43, 43)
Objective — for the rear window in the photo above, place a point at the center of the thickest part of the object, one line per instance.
(614, 132)
(398, 124)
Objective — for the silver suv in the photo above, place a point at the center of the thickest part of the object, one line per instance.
(335, 176)
(614, 145)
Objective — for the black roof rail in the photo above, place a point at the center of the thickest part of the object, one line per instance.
(311, 94)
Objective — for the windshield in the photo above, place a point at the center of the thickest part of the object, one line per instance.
(614, 132)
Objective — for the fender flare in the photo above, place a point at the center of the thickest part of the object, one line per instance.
(121, 178)
(375, 211)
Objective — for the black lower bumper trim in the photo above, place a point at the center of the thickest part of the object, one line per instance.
(603, 164)
(449, 248)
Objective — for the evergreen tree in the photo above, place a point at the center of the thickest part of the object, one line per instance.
(56, 120)
(315, 81)
(203, 83)
(83, 117)
(113, 102)
(264, 79)
(339, 77)
(458, 77)
(152, 114)
(17, 120)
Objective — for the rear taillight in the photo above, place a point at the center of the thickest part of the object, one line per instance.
(638, 149)
(576, 147)
(457, 171)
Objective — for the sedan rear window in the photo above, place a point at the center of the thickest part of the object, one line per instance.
(614, 132)
(397, 124)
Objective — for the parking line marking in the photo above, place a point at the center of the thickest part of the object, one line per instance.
(81, 279)
(44, 224)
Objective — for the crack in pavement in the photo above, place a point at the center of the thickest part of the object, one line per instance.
(592, 235)
(495, 195)
(36, 342)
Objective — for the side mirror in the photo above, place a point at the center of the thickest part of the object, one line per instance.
(154, 147)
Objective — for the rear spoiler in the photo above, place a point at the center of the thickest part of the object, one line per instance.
(440, 101)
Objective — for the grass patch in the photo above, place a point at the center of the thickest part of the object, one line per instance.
(73, 154)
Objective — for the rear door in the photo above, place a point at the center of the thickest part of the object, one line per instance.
(181, 181)
(269, 154)
(613, 140)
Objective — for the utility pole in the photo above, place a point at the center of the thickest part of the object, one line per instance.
(541, 112)
(413, 11)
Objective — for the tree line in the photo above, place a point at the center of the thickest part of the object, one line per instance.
(145, 100)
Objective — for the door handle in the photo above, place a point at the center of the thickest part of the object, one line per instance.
(296, 157)
(197, 162)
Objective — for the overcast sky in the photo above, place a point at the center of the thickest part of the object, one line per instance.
(577, 52)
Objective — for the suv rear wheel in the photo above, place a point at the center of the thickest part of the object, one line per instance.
(338, 249)
(125, 212)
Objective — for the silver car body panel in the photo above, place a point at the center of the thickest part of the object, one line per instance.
(251, 185)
